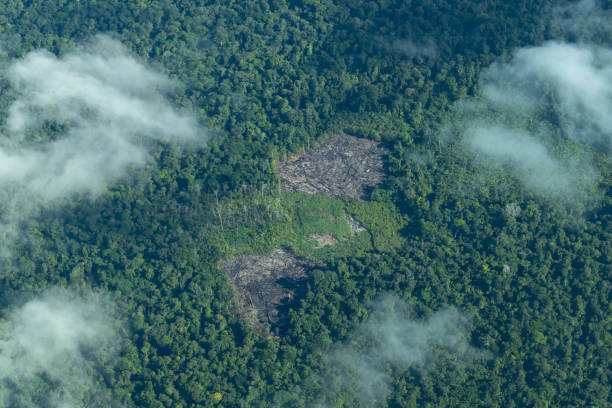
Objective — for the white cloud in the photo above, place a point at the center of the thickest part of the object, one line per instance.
(106, 108)
(108, 102)
(530, 161)
(390, 338)
(545, 112)
(76, 123)
(578, 75)
(539, 116)
(585, 21)
(42, 350)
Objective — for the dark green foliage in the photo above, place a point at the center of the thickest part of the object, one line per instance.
(270, 77)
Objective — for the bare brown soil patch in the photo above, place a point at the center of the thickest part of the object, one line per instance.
(268, 285)
(341, 166)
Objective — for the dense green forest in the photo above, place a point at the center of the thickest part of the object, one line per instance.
(267, 79)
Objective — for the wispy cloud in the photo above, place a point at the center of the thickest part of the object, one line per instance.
(542, 113)
(391, 339)
(44, 346)
(79, 121)
(529, 160)
(575, 77)
(424, 47)
(106, 101)
(585, 21)
(75, 124)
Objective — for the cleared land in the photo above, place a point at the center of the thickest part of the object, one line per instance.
(354, 224)
(340, 166)
(266, 285)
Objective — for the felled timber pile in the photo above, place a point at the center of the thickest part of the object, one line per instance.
(266, 285)
(341, 166)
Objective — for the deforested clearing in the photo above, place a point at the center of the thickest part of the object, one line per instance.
(267, 285)
(340, 166)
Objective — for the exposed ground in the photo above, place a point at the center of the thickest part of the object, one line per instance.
(324, 240)
(340, 166)
(267, 285)
(354, 224)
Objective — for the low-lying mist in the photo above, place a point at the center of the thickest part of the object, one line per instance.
(46, 346)
(75, 124)
(544, 112)
(360, 371)
(80, 121)
(390, 338)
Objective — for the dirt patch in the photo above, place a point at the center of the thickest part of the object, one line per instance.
(268, 285)
(355, 225)
(324, 240)
(341, 166)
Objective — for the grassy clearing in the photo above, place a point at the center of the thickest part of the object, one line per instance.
(314, 215)
(383, 222)
(288, 220)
